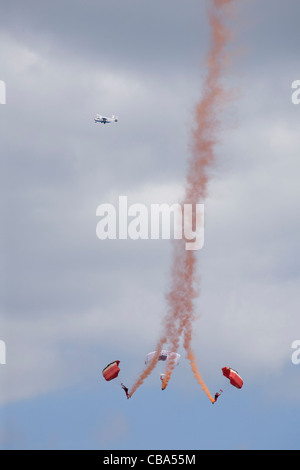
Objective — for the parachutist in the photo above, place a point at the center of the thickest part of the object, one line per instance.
(169, 359)
(125, 390)
(216, 396)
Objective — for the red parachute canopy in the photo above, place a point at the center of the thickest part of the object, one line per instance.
(111, 371)
(233, 376)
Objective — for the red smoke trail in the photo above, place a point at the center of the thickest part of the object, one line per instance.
(204, 141)
(184, 279)
(149, 368)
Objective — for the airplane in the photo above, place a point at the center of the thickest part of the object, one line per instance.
(106, 120)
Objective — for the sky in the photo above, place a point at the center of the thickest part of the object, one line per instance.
(72, 303)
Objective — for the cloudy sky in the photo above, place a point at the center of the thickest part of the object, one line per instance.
(71, 303)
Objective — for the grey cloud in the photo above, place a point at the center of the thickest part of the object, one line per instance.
(140, 34)
(62, 285)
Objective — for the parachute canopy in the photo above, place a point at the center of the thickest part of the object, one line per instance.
(164, 356)
(233, 376)
(111, 371)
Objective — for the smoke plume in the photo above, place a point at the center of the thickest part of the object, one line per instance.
(184, 280)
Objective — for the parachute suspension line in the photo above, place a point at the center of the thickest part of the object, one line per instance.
(226, 388)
